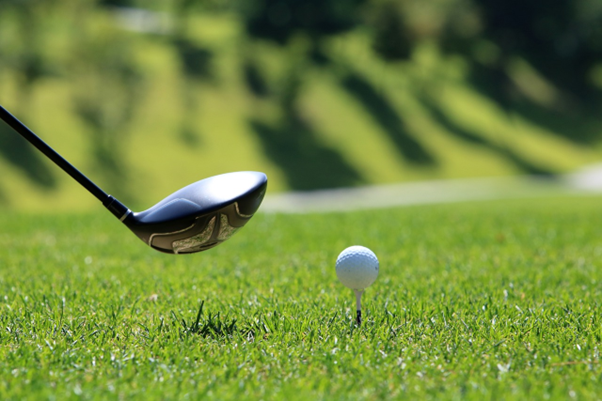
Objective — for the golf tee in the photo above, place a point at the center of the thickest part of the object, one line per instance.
(358, 305)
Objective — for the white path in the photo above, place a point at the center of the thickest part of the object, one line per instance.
(586, 181)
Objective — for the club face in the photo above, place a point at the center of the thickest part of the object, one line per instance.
(201, 215)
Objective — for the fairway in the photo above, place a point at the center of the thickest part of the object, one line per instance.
(480, 300)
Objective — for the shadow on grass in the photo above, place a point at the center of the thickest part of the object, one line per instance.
(580, 127)
(572, 120)
(308, 164)
(254, 79)
(195, 60)
(18, 152)
(388, 119)
(213, 326)
(456, 130)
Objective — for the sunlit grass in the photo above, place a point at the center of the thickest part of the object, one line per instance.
(158, 161)
(492, 300)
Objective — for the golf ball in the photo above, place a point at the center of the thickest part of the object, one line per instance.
(357, 267)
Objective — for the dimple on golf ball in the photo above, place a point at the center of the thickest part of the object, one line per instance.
(357, 267)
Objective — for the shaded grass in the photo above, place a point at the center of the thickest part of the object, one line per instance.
(492, 300)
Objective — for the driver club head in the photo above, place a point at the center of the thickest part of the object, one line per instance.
(200, 216)
(195, 218)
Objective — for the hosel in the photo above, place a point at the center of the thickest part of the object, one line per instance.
(116, 208)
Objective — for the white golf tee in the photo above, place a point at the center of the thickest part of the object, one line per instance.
(358, 305)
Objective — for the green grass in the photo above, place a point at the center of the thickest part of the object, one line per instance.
(158, 160)
(491, 300)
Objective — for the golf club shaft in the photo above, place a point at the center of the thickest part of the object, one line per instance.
(108, 201)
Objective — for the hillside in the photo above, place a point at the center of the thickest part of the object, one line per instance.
(356, 121)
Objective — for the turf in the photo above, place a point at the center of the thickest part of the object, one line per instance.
(490, 300)
(361, 119)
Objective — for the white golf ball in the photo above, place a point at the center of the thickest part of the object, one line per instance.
(357, 267)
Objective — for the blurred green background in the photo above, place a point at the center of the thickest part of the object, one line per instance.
(148, 96)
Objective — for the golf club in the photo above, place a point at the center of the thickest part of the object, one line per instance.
(195, 218)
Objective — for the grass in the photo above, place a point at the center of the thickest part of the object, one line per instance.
(490, 300)
(430, 98)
